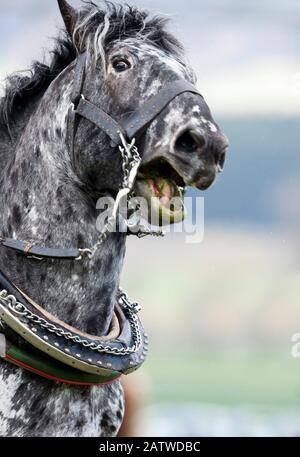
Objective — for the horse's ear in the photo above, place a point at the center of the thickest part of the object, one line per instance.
(69, 15)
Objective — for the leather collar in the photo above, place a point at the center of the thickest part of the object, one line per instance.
(96, 359)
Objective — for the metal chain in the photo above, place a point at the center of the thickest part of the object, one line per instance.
(131, 161)
(131, 158)
(131, 308)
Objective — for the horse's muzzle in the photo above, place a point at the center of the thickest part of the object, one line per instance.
(198, 155)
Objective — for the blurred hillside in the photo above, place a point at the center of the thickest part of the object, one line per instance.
(263, 159)
(238, 290)
(220, 317)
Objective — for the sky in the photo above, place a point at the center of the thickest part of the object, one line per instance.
(246, 54)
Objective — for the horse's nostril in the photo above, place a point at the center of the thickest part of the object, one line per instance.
(222, 159)
(190, 141)
(219, 157)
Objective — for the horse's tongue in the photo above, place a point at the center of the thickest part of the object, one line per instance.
(162, 189)
(164, 200)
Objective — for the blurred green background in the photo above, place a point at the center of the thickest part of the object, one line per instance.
(220, 314)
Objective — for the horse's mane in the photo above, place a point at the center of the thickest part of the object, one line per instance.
(97, 27)
(23, 90)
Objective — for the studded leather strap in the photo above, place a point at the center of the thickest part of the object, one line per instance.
(70, 346)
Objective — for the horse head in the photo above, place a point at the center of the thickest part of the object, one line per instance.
(129, 60)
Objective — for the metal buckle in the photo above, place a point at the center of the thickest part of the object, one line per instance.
(34, 257)
(85, 253)
(124, 301)
(73, 105)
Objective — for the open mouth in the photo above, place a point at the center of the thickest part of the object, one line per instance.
(163, 189)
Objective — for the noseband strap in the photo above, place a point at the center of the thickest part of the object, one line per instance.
(136, 123)
(131, 127)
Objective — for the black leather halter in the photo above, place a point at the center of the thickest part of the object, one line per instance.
(132, 126)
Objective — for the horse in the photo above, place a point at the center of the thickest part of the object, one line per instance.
(116, 98)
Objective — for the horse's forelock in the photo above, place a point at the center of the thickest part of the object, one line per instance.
(97, 27)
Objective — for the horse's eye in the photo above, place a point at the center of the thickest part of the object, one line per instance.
(121, 65)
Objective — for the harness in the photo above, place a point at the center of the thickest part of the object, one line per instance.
(51, 348)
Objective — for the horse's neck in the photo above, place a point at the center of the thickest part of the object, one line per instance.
(42, 204)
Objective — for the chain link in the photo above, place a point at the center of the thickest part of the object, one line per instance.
(131, 161)
(131, 157)
(131, 308)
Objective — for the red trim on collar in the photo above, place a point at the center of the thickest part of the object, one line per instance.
(10, 359)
